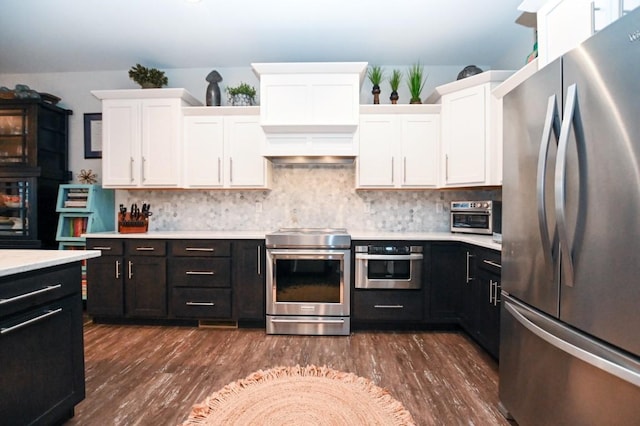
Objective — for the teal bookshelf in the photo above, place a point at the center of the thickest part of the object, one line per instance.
(83, 209)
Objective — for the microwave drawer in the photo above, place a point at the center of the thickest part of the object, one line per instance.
(387, 305)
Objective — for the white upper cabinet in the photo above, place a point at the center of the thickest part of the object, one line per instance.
(399, 146)
(223, 148)
(471, 131)
(141, 137)
(564, 24)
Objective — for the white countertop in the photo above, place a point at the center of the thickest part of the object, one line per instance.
(478, 240)
(17, 261)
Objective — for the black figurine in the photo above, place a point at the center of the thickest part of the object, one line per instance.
(213, 91)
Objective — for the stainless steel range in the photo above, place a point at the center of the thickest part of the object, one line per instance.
(308, 281)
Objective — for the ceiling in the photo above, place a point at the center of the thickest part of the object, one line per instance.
(39, 36)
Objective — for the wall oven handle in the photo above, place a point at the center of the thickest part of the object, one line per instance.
(31, 321)
(412, 256)
(551, 125)
(571, 119)
(31, 293)
(307, 321)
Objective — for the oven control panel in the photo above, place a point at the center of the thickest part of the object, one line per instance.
(388, 250)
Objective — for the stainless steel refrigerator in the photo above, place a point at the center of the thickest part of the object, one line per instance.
(570, 325)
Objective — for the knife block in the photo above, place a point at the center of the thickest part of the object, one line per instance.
(129, 225)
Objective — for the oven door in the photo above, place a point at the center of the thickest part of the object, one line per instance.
(308, 282)
(472, 223)
(380, 271)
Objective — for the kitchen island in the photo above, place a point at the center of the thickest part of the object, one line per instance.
(41, 343)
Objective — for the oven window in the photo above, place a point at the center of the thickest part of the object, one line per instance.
(480, 221)
(389, 269)
(310, 281)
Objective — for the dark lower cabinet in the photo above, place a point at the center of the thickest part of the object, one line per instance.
(487, 328)
(447, 278)
(105, 282)
(249, 284)
(387, 306)
(146, 287)
(41, 348)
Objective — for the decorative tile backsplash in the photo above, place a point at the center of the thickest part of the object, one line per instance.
(303, 196)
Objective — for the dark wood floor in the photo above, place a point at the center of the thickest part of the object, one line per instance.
(152, 375)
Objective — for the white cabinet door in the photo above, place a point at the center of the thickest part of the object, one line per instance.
(121, 143)
(420, 149)
(244, 141)
(160, 142)
(464, 136)
(378, 133)
(203, 151)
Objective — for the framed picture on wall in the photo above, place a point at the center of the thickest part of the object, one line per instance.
(93, 135)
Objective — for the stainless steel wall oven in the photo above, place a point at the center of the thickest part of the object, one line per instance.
(308, 281)
(388, 267)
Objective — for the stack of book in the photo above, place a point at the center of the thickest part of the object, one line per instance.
(76, 197)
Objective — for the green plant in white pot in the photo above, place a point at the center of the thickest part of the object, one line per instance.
(241, 95)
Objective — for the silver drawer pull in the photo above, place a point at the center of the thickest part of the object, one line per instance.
(145, 249)
(388, 306)
(31, 321)
(101, 248)
(32, 293)
(209, 249)
(200, 273)
(200, 304)
(488, 262)
(307, 321)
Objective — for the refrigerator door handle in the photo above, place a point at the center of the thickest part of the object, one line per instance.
(576, 345)
(570, 119)
(551, 124)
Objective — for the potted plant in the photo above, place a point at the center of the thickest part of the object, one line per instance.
(241, 95)
(148, 77)
(394, 82)
(375, 75)
(416, 83)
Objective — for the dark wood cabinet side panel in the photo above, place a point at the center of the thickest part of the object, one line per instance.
(248, 264)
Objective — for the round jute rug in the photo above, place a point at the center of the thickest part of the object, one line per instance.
(300, 396)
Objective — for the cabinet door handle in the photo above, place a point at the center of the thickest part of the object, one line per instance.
(144, 164)
(200, 304)
(497, 293)
(230, 170)
(130, 269)
(388, 306)
(131, 169)
(404, 170)
(446, 168)
(117, 269)
(490, 292)
(392, 170)
(207, 249)
(259, 261)
(200, 273)
(31, 321)
(468, 277)
(145, 249)
(31, 293)
(101, 248)
(219, 170)
(489, 262)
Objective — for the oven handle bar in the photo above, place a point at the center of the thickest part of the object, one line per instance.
(414, 256)
(308, 321)
(309, 254)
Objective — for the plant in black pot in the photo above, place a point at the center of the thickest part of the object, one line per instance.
(416, 82)
(394, 82)
(242, 95)
(148, 77)
(375, 75)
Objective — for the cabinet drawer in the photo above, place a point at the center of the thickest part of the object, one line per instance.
(23, 291)
(109, 247)
(388, 305)
(490, 260)
(145, 247)
(200, 272)
(200, 248)
(201, 303)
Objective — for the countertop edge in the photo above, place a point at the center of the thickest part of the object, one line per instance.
(17, 261)
(478, 240)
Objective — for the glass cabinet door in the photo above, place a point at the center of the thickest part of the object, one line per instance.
(13, 137)
(16, 217)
